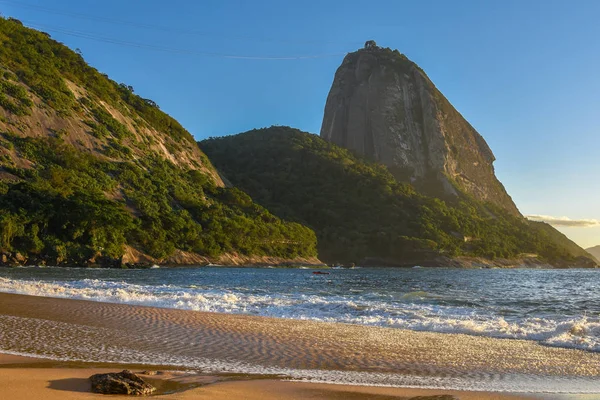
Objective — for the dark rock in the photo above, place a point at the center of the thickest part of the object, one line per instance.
(20, 258)
(124, 382)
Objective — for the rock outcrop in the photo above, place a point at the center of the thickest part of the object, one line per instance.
(135, 258)
(383, 106)
(125, 382)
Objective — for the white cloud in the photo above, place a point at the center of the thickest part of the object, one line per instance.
(565, 221)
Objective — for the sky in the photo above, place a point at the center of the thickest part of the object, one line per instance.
(524, 73)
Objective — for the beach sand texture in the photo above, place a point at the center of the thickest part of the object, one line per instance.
(72, 384)
(103, 333)
(27, 378)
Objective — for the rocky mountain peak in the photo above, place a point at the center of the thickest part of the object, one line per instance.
(383, 106)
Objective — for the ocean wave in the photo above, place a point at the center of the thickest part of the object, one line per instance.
(407, 313)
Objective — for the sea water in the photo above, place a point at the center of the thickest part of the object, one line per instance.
(555, 307)
(558, 308)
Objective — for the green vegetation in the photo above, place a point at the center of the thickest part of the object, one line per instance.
(358, 209)
(62, 205)
(74, 206)
(43, 64)
(106, 125)
(14, 98)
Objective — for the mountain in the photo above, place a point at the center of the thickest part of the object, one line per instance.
(383, 106)
(595, 251)
(93, 174)
(362, 214)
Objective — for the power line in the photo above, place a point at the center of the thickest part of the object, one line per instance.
(164, 28)
(119, 42)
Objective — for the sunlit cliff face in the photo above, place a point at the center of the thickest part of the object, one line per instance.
(383, 106)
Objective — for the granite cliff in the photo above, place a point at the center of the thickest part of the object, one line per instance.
(384, 107)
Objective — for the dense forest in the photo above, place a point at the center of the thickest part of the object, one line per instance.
(359, 210)
(74, 206)
(77, 195)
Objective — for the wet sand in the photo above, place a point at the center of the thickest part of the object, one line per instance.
(123, 334)
(24, 378)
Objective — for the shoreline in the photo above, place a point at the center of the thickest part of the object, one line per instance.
(422, 265)
(350, 356)
(134, 259)
(24, 377)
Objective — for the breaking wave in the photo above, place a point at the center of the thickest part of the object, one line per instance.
(415, 310)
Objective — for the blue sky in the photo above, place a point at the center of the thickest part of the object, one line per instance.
(523, 72)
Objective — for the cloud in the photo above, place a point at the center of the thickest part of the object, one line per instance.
(565, 221)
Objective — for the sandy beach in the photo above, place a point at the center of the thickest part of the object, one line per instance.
(28, 378)
(109, 337)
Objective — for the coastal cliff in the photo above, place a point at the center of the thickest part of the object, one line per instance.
(383, 106)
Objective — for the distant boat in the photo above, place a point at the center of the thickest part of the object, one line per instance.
(155, 266)
(320, 273)
(417, 266)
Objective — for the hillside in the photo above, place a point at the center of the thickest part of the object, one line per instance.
(90, 172)
(362, 214)
(595, 251)
(49, 90)
(384, 107)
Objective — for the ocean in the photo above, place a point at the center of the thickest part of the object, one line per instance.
(556, 308)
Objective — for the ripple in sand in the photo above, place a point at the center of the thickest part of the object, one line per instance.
(339, 353)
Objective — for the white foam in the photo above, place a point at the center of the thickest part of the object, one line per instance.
(82, 346)
(580, 333)
(63, 341)
(521, 383)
